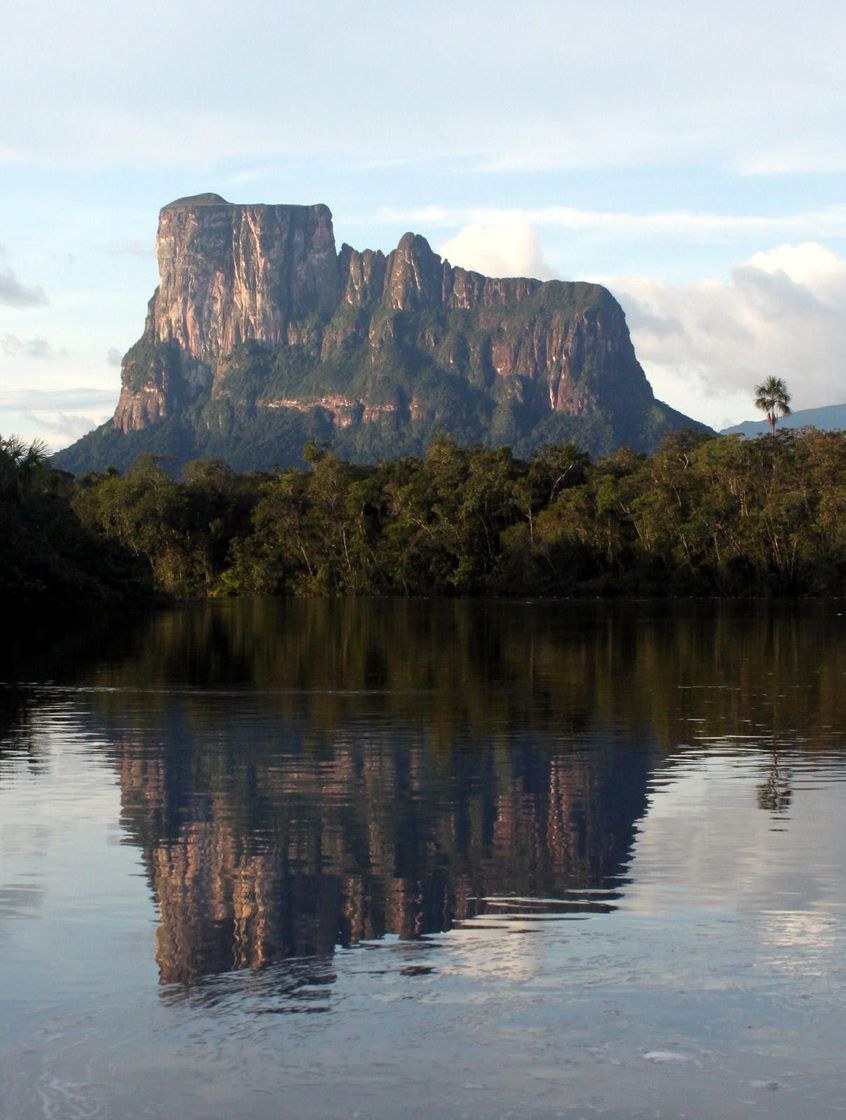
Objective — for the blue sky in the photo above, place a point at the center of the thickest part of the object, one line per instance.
(690, 157)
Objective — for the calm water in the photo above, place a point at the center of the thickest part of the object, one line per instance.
(370, 859)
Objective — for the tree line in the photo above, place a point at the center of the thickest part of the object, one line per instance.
(702, 516)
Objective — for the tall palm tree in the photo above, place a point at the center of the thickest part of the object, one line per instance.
(772, 397)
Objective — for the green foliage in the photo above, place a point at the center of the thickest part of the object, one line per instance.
(149, 362)
(701, 516)
(419, 372)
(48, 559)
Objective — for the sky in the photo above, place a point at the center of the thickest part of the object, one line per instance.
(690, 157)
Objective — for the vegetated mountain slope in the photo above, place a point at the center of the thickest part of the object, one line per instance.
(830, 418)
(262, 336)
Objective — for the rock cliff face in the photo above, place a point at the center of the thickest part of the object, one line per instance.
(259, 321)
(233, 273)
(227, 274)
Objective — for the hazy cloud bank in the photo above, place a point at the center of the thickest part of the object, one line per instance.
(756, 87)
(58, 429)
(51, 400)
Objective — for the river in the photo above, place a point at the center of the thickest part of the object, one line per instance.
(333, 859)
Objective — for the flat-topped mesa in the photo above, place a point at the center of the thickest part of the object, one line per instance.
(403, 344)
(230, 273)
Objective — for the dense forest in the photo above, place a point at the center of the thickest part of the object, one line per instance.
(48, 556)
(702, 516)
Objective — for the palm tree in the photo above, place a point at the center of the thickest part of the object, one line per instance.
(21, 467)
(772, 397)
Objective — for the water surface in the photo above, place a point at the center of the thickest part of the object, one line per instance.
(379, 859)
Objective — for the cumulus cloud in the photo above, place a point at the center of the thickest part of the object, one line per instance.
(505, 249)
(15, 294)
(13, 346)
(705, 345)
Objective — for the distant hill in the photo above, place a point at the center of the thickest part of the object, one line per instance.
(262, 336)
(828, 419)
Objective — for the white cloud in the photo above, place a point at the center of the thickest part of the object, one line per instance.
(114, 357)
(15, 294)
(14, 155)
(58, 416)
(705, 345)
(55, 400)
(828, 222)
(13, 346)
(505, 249)
(543, 85)
(811, 264)
(58, 429)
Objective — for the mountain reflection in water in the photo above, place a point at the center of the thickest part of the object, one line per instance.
(304, 776)
(372, 779)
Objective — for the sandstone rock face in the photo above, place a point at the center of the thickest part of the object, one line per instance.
(227, 274)
(257, 308)
(232, 273)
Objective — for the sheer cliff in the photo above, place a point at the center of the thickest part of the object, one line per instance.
(261, 335)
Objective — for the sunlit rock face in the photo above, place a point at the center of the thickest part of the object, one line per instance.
(227, 274)
(233, 273)
(256, 308)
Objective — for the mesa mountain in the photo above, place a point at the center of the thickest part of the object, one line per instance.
(262, 336)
